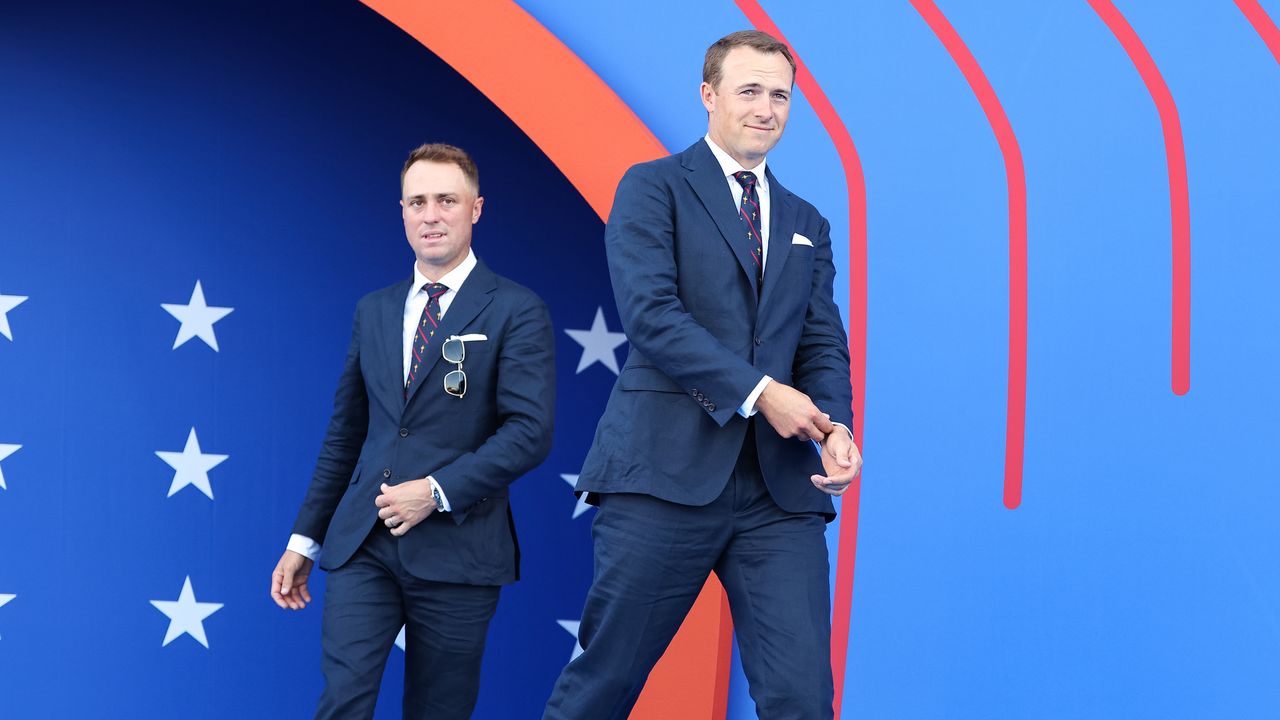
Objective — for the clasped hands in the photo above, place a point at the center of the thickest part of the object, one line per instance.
(402, 506)
(793, 415)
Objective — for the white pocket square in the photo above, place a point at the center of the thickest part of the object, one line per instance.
(798, 239)
(473, 337)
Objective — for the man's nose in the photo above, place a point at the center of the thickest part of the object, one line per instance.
(762, 108)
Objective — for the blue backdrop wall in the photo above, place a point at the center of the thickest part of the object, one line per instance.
(254, 149)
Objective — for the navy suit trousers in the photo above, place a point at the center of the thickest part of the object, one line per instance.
(652, 559)
(366, 602)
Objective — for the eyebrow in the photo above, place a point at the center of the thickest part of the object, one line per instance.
(759, 86)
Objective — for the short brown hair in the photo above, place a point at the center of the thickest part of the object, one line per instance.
(713, 65)
(447, 154)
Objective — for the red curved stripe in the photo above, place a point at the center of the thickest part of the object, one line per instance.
(854, 182)
(1262, 24)
(1179, 204)
(1015, 179)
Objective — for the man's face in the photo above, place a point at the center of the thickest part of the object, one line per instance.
(439, 207)
(749, 108)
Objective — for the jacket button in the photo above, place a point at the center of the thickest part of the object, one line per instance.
(711, 407)
(404, 432)
(386, 472)
(759, 342)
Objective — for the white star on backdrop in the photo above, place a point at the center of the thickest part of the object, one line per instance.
(7, 303)
(6, 451)
(598, 343)
(582, 506)
(186, 615)
(197, 319)
(191, 466)
(4, 599)
(571, 627)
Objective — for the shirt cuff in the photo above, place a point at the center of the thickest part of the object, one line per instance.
(818, 445)
(846, 428)
(748, 407)
(304, 546)
(444, 499)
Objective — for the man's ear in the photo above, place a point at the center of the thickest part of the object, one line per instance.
(708, 95)
(475, 210)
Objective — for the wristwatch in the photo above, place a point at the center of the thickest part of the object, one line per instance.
(435, 495)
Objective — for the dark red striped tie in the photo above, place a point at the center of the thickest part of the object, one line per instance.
(749, 210)
(426, 333)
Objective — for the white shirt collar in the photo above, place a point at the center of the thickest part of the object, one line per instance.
(730, 166)
(452, 279)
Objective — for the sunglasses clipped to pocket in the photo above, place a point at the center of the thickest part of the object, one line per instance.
(454, 351)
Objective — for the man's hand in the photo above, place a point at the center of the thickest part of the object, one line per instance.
(405, 505)
(289, 581)
(841, 460)
(792, 414)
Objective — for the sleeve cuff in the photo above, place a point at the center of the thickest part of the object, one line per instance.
(818, 446)
(748, 407)
(444, 499)
(304, 546)
(846, 428)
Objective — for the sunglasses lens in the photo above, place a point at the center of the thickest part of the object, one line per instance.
(455, 383)
(454, 351)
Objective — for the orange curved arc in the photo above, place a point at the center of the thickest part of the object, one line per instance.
(587, 131)
(593, 137)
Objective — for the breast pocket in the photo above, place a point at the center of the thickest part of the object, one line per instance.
(800, 254)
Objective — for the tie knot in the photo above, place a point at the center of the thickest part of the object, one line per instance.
(746, 179)
(435, 290)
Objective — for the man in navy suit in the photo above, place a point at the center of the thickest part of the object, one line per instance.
(727, 430)
(446, 397)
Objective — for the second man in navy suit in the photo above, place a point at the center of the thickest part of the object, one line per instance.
(703, 460)
(446, 398)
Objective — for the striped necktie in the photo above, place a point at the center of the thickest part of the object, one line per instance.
(749, 211)
(426, 333)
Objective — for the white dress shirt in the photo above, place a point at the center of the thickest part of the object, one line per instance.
(416, 302)
(414, 305)
(730, 166)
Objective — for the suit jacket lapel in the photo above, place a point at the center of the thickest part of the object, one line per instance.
(475, 295)
(709, 183)
(782, 224)
(390, 381)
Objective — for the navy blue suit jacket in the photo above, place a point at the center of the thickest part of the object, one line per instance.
(473, 446)
(701, 337)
